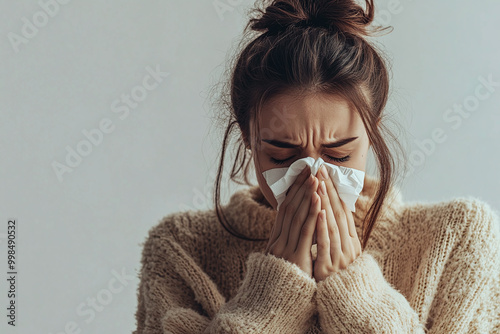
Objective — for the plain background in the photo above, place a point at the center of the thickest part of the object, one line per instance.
(76, 235)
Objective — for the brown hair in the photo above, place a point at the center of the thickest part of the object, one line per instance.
(310, 46)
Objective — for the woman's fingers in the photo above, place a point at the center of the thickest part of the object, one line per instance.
(333, 229)
(294, 208)
(337, 207)
(268, 247)
(302, 212)
(294, 188)
(306, 232)
(282, 223)
(324, 258)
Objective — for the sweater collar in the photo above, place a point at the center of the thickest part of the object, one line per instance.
(247, 214)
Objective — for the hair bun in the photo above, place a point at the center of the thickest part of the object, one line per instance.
(344, 15)
(315, 22)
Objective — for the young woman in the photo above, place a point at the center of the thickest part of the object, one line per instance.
(309, 84)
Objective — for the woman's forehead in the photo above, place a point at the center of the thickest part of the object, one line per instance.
(290, 116)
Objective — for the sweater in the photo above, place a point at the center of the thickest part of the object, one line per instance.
(427, 268)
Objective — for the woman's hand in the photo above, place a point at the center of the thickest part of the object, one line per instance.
(292, 234)
(338, 242)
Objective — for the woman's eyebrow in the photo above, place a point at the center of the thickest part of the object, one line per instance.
(284, 144)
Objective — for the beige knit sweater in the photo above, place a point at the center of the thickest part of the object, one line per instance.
(428, 268)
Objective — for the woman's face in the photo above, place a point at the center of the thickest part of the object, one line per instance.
(293, 127)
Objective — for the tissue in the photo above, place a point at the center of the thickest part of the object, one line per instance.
(348, 181)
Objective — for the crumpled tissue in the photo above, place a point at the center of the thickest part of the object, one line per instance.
(348, 181)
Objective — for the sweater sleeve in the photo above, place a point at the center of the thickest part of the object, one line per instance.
(358, 299)
(466, 294)
(176, 296)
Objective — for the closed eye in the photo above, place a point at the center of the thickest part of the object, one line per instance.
(343, 159)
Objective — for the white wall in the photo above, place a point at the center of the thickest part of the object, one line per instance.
(75, 233)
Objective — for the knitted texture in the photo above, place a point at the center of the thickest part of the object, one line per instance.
(427, 268)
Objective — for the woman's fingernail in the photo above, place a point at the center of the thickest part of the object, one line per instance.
(323, 172)
(322, 215)
(322, 188)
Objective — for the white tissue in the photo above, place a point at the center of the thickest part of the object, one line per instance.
(348, 181)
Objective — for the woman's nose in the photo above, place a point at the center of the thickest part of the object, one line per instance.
(313, 155)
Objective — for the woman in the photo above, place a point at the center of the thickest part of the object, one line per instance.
(310, 85)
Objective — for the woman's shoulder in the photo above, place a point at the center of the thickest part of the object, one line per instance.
(465, 211)
(465, 220)
(184, 228)
(469, 207)
(419, 222)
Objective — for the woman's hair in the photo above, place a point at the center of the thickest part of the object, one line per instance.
(307, 46)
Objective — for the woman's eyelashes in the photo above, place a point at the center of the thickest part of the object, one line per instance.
(343, 159)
